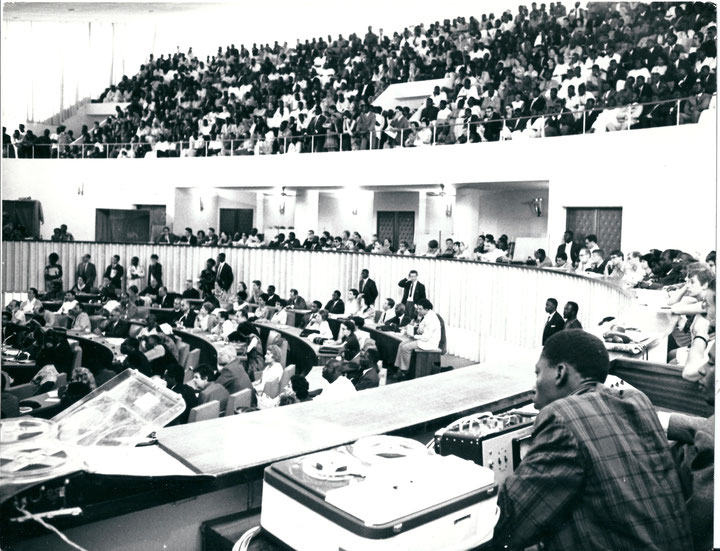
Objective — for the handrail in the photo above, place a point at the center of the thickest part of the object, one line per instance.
(437, 133)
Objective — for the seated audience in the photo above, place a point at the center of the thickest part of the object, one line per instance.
(340, 387)
(190, 291)
(174, 377)
(134, 358)
(204, 380)
(425, 336)
(368, 371)
(272, 371)
(335, 305)
(114, 326)
(232, 374)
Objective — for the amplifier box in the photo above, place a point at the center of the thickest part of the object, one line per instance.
(497, 442)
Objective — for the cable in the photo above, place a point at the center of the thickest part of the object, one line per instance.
(50, 527)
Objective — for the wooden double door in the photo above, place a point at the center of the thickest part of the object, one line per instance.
(604, 222)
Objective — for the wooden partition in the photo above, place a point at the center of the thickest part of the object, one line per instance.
(486, 307)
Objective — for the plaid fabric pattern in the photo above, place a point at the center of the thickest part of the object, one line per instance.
(598, 475)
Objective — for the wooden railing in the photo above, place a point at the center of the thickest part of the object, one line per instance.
(487, 307)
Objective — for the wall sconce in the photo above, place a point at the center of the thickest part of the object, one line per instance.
(81, 189)
(537, 205)
(354, 211)
(282, 200)
(448, 200)
(202, 206)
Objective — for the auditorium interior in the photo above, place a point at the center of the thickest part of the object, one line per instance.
(358, 278)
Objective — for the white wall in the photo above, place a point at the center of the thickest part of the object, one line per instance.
(663, 178)
(510, 212)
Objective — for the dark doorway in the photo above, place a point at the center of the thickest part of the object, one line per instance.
(234, 221)
(397, 225)
(158, 219)
(122, 226)
(605, 223)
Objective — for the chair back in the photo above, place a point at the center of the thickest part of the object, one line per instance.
(134, 330)
(271, 311)
(193, 359)
(238, 400)
(183, 353)
(24, 391)
(378, 315)
(205, 412)
(189, 374)
(443, 337)
(77, 354)
(288, 373)
(61, 380)
(143, 311)
(283, 344)
(272, 388)
(95, 321)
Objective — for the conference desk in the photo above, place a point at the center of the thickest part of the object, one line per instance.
(295, 316)
(98, 352)
(387, 342)
(199, 339)
(21, 371)
(301, 350)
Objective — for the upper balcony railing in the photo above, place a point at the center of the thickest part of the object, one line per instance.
(602, 119)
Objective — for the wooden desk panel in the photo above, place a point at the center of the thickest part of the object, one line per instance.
(242, 441)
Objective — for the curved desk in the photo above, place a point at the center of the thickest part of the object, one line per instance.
(97, 352)
(302, 352)
(387, 341)
(198, 339)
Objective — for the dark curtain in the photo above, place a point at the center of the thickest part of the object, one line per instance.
(27, 214)
(122, 226)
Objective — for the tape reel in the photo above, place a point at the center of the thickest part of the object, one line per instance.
(25, 430)
(375, 449)
(27, 462)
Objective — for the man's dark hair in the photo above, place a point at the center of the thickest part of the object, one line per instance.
(592, 237)
(599, 252)
(177, 373)
(271, 290)
(584, 351)
(132, 342)
(221, 257)
(264, 297)
(205, 371)
(257, 282)
(154, 256)
(426, 304)
(574, 306)
(300, 386)
(349, 325)
(561, 255)
(317, 303)
(553, 301)
(391, 302)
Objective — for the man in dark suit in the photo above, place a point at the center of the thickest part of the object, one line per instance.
(154, 270)
(114, 327)
(86, 270)
(224, 277)
(335, 305)
(187, 319)
(368, 374)
(174, 376)
(165, 238)
(401, 318)
(115, 272)
(554, 323)
(367, 288)
(164, 299)
(569, 247)
(570, 313)
(232, 374)
(190, 291)
(413, 292)
(296, 301)
(273, 299)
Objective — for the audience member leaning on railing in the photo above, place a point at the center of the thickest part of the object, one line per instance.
(531, 74)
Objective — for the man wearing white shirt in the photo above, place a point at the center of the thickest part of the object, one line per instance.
(425, 336)
(388, 311)
(68, 304)
(340, 386)
(32, 303)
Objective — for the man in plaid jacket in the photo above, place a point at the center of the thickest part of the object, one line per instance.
(599, 473)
